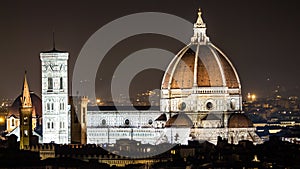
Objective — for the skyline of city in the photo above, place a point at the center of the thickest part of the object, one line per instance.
(248, 39)
(197, 84)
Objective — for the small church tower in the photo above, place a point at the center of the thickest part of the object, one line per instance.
(56, 116)
(25, 116)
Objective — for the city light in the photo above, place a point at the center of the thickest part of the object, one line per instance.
(251, 97)
(2, 120)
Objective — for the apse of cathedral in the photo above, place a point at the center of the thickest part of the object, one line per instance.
(200, 101)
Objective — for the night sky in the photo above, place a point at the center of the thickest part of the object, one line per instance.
(261, 38)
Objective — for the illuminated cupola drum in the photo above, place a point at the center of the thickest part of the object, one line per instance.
(201, 82)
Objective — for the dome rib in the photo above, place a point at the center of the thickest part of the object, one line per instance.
(217, 57)
(196, 67)
(231, 65)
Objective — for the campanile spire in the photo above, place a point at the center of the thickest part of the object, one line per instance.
(25, 116)
(25, 98)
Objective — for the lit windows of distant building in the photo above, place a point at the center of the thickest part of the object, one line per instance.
(251, 97)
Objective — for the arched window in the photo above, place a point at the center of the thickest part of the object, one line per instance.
(61, 106)
(50, 83)
(61, 83)
(12, 122)
(48, 106)
(26, 133)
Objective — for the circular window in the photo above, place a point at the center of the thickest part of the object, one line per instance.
(150, 121)
(103, 122)
(181, 106)
(209, 105)
(127, 122)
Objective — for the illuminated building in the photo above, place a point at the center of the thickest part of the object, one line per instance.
(202, 83)
(251, 97)
(200, 97)
(13, 117)
(25, 116)
(56, 117)
(3, 115)
(200, 100)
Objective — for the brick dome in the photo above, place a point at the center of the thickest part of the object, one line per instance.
(179, 120)
(36, 105)
(238, 120)
(200, 65)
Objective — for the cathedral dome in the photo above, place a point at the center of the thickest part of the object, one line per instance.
(36, 104)
(238, 120)
(200, 79)
(200, 64)
(179, 120)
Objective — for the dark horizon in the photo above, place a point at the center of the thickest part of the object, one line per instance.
(260, 39)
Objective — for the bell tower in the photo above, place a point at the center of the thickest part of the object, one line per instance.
(56, 116)
(25, 116)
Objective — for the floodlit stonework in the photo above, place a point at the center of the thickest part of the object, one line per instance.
(200, 99)
(56, 117)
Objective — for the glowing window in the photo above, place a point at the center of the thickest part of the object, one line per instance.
(25, 120)
(26, 133)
